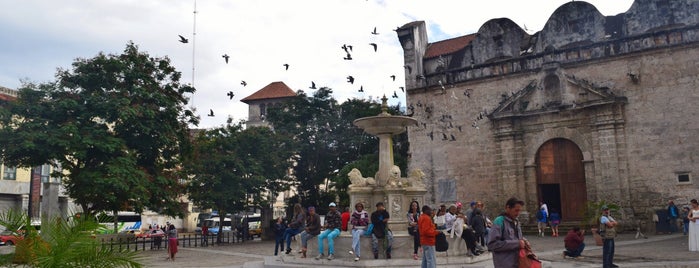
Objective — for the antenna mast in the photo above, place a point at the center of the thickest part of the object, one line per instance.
(194, 41)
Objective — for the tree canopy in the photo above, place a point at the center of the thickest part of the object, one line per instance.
(326, 143)
(116, 124)
(232, 166)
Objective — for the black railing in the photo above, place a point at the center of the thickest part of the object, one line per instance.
(123, 243)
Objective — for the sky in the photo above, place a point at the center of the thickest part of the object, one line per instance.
(260, 36)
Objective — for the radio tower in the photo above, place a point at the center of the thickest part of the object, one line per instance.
(194, 41)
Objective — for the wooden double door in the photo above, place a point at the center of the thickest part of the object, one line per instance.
(560, 176)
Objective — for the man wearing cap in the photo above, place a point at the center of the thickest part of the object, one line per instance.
(608, 232)
(379, 219)
(333, 222)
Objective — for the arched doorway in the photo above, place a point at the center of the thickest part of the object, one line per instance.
(560, 177)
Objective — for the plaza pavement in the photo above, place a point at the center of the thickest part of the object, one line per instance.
(656, 251)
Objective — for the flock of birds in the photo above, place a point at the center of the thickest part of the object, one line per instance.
(347, 48)
(444, 123)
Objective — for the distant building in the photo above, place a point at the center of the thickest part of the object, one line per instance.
(590, 108)
(34, 189)
(269, 96)
(258, 103)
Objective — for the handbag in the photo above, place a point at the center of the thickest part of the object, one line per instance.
(441, 243)
(369, 229)
(527, 258)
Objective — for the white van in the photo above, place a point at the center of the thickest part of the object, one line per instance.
(214, 225)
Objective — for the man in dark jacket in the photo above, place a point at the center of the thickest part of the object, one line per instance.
(380, 220)
(505, 239)
(673, 213)
(312, 229)
(574, 243)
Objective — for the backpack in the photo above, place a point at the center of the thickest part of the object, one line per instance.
(540, 215)
(441, 243)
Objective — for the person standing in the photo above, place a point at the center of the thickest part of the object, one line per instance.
(673, 213)
(541, 220)
(296, 226)
(477, 222)
(505, 239)
(427, 233)
(279, 229)
(172, 241)
(379, 219)
(555, 219)
(359, 221)
(205, 234)
(312, 229)
(574, 243)
(333, 221)
(345, 219)
(608, 232)
(684, 214)
(694, 226)
(413, 216)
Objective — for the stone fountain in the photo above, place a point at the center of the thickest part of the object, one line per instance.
(387, 185)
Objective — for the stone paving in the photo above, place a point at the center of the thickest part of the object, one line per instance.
(656, 251)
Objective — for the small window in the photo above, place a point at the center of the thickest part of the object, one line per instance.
(684, 177)
(10, 173)
(45, 173)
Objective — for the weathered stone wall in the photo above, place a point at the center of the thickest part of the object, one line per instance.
(628, 101)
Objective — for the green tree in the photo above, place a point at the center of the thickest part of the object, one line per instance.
(233, 166)
(326, 141)
(118, 126)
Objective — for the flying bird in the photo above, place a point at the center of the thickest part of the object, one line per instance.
(286, 66)
(374, 32)
(410, 69)
(211, 113)
(444, 136)
(431, 135)
(242, 82)
(453, 138)
(402, 89)
(459, 127)
(395, 95)
(419, 77)
(467, 93)
(183, 40)
(230, 95)
(313, 85)
(393, 77)
(373, 45)
(347, 48)
(361, 88)
(350, 79)
(348, 57)
(225, 57)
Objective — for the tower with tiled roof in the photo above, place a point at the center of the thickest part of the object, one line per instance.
(269, 96)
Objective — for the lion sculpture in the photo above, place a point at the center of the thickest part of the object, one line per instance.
(394, 177)
(415, 178)
(357, 180)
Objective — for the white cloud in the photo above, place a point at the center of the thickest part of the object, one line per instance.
(259, 36)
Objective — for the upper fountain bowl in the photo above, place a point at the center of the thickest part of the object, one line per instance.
(384, 124)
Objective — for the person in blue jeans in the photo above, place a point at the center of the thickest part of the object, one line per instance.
(607, 225)
(279, 230)
(296, 226)
(333, 222)
(685, 219)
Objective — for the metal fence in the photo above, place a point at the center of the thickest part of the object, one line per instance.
(156, 243)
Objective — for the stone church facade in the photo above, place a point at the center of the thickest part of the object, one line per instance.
(590, 108)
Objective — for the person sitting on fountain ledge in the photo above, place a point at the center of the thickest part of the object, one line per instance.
(380, 220)
(333, 221)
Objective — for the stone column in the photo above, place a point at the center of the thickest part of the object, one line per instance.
(396, 208)
(385, 158)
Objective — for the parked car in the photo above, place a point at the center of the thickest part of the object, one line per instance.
(151, 233)
(9, 238)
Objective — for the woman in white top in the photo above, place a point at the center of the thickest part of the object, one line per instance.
(693, 226)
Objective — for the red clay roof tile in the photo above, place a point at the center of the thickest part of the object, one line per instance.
(272, 91)
(452, 45)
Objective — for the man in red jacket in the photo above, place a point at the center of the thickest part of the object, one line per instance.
(428, 234)
(574, 243)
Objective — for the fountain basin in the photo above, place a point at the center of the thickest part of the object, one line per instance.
(384, 124)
